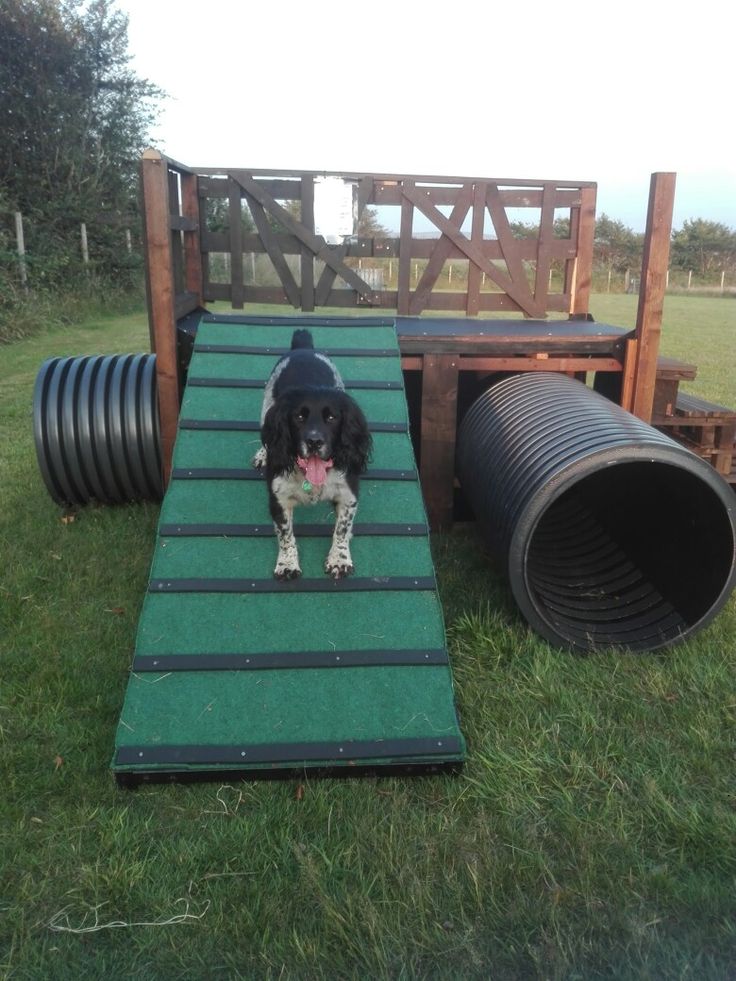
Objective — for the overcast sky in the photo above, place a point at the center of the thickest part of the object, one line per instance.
(568, 91)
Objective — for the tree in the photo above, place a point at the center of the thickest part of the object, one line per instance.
(707, 246)
(616, 246)
(74, 117)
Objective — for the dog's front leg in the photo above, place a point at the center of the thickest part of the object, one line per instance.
(287, 562)
(339, 562)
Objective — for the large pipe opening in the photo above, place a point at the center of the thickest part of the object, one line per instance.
(612, 534)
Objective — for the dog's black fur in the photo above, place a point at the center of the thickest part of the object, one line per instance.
(307, 414)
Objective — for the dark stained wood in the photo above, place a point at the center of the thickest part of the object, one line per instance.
(518, 291)
(439, 421)
(314, 242)
(475, 276)
(192, 244)
(651, 293)
(307, 262)
(440, 252)
(405, 253)
(237, 296)
(544, 250)
(275, 254)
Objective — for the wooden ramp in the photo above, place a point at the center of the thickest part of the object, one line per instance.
(234, 671)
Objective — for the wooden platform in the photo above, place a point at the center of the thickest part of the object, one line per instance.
(234, 671)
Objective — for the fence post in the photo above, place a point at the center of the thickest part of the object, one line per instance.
(85, 248)
(21, 243)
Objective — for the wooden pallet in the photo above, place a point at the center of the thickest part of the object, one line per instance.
(707, 428)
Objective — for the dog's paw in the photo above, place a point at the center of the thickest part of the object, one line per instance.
(259, 460)
(339, 566)
(286, 572)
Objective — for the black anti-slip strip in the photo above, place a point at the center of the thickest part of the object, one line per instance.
(246, 755)
(350, 584)
(253, 426)
(265, 530)
(286, 321)
(357, 383)
(332, 352)
(235, 473)
(286, 659)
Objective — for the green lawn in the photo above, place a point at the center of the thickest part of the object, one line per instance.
(592, 833)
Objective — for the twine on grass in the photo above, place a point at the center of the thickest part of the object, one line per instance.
(60, 921)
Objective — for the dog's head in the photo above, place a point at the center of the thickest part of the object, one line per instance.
(316, 422)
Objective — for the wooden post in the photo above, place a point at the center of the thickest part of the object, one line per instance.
(439, 418)
(160, 291)
(85, 247)
(21, 243)
(652, 290)
(582, 278)
(192, 241)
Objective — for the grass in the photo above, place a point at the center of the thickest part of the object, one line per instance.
(592, 833)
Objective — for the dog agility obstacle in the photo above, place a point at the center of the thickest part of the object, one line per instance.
(235, 671)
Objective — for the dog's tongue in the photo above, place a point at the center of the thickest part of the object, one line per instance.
(315, 469)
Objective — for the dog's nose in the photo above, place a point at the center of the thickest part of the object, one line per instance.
(314, 445)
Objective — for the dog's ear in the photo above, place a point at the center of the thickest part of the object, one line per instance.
(353, 450)
(276, 437)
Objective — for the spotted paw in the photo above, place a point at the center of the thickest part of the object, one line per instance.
(338, 570)
(259, 460)
(286, 572)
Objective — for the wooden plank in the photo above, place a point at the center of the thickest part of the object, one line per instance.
(177, 254)
(405, 254)
(544, 248)
(236, 245)
(439, 254)
(314, 242)
(472, 304)
(192, 245)
(583, 268)
(509, 245)
(439, 421)
(307, 260)
(517, 291)
(651, 293)
(629, 371)
(160, 291)
(329, 273)
(275, 254)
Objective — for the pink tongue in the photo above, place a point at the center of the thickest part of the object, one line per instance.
(315, 469)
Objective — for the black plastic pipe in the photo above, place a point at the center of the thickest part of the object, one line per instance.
(96, 426)
(610, 532)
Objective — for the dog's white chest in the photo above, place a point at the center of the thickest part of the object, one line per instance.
(295, 489)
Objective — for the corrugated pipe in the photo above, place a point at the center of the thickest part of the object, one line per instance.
(611, 533)
(95, 421)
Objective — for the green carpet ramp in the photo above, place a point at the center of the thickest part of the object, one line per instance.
(236, 671)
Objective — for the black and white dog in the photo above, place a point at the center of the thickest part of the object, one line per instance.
(315, 446)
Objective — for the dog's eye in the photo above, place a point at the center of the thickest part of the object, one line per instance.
(329, 416)
(303, 414)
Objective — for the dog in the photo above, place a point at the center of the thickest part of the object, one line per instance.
(315, 446)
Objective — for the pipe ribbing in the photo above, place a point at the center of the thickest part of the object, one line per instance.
(610, 532)
(96, 427)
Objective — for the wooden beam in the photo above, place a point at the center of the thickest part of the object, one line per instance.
(192, 241)
(437, 453)
(237, 294)
(583, 265)
(307, 257)
(519, 292)
(160, 290)
(652, 290)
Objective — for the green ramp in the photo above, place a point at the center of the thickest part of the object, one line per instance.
(236, 672)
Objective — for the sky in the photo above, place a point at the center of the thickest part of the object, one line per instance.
(563, 91)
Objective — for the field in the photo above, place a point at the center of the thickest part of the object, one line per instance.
(592, 833)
